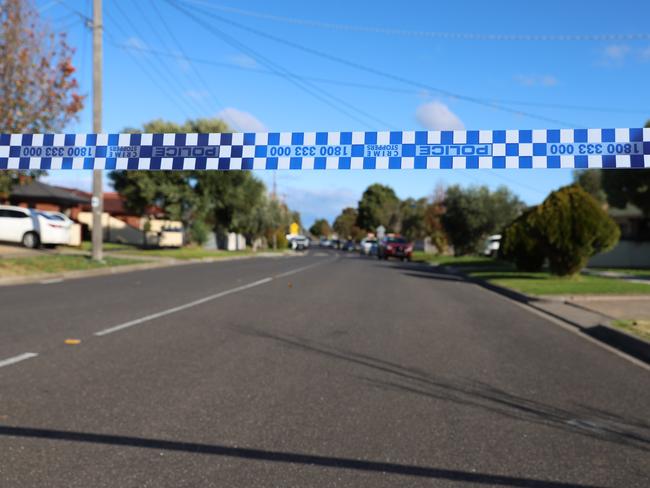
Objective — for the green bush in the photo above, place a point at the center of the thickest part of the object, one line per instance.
(521, 244)
(199, 232)
(573, 227)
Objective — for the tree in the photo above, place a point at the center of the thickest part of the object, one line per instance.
(572, 227)
(433, 219)
(378, 206)
(628, 186)
(228, 200)
(522, 243)
(473, 214)
(345, 225)
(37, 85)
(590, 180)
(320, 227)
(412, 218)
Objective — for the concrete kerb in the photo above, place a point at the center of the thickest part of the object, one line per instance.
(604, 332)
(127, 268)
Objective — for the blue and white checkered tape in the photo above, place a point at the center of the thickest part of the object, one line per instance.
(458, 149)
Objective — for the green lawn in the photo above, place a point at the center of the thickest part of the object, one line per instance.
(188, 253)
(55, 263)
(183, 253)
(108, 246)
(635, 272)
(542, 283)
(640, 328)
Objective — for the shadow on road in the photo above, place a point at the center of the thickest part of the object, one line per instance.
(582, 420)
(283, 457)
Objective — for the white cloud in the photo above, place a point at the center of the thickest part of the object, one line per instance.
(243, 61)
(536, 80)
(136, 43)
(616, 52)
(645, 54)
(437, 116)
(241, 121)
(197, 95)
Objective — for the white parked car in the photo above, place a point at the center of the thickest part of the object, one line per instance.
(298, 242)
(33, 228)
(492, 245)
(368, 246)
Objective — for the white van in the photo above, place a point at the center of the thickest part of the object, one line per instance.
(33, 228)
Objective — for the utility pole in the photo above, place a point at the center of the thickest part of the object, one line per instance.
(97, 201)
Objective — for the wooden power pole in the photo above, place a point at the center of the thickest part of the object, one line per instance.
(97, 201)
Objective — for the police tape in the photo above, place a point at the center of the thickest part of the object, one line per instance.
(457, 149)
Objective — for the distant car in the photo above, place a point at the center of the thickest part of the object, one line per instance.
(335, 244)
(299, 242)
(492, 245)
(367, 246)
(348, 245)
(33, 228)
(325, 242)
(395, 247)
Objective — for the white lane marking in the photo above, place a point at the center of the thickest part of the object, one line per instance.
(52, 281)
(162, 313)
(303, 268)
(169, 311)
(17, 359)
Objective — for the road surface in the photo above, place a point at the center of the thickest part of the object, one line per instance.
(321, 370)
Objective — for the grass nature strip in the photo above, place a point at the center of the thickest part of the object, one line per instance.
(539, 283)
(56, 263)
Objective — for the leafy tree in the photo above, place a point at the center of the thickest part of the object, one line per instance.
(412, 218)
(378, 206)
(521, 243)
(228, 199)
(571, 227)
(345, 225)
(433, 220)
(320, 227)
(624, 186)
(590, 180)
(37, 85)
(474, 213)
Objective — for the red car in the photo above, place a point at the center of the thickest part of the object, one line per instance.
(395, 247)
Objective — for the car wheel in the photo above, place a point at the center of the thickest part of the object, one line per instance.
(31, 240)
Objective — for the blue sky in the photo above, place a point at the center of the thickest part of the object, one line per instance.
(600, 82)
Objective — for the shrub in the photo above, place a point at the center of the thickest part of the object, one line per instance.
(199, 231)
(572, 227)
(521, 244)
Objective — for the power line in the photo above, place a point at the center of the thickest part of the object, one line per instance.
(375, 71)
(177, 88)
(196, 72)
(457, 36)
(368, 86)
(306, 86)
(146, 69)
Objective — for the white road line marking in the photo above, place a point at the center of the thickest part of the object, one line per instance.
(169, 311)
(17, 359)
(303, 268)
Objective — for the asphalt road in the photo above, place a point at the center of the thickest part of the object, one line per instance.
(323, 370)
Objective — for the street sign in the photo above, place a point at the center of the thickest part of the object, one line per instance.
(294, 228)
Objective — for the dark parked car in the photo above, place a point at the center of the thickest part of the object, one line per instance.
(348, 245)
(395, 247)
